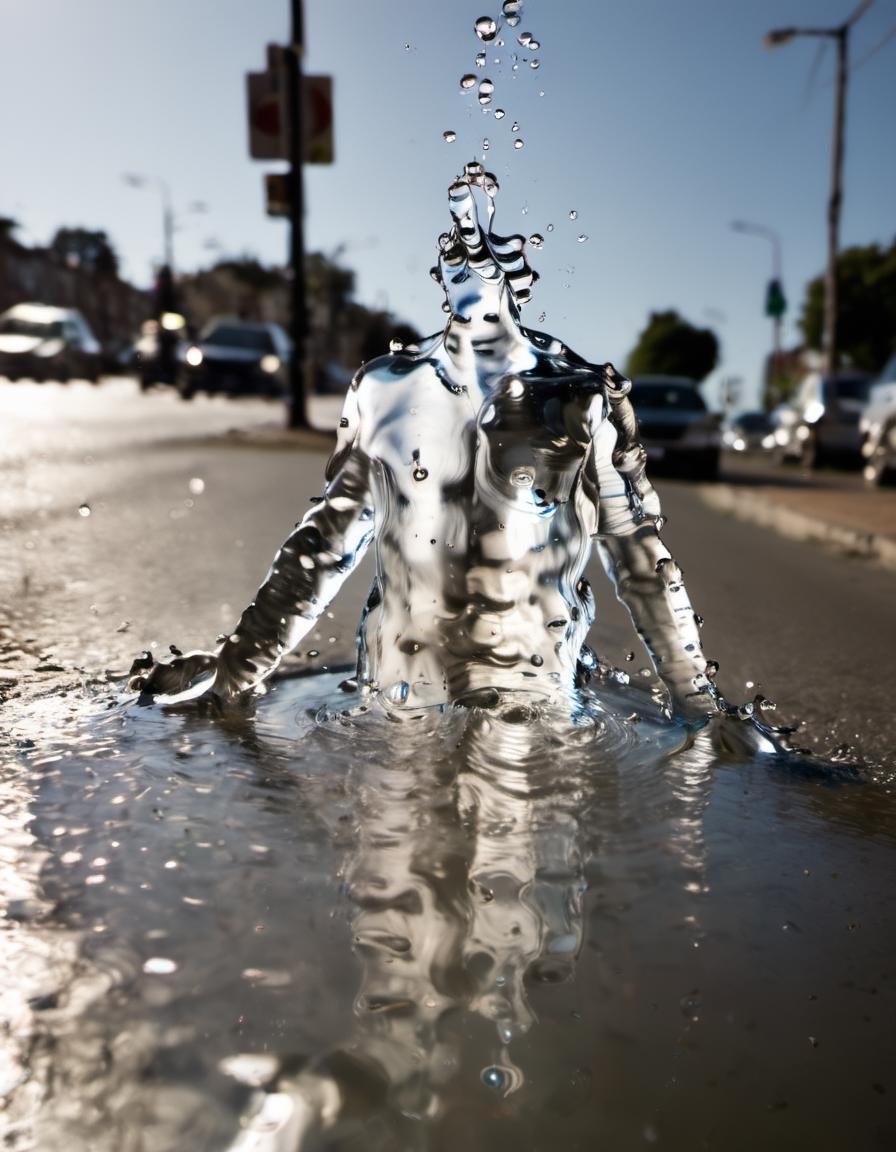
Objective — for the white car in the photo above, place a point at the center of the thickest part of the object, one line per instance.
(820, 425)
(878, 427)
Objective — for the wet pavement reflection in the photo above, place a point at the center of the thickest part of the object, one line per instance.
(491, 928)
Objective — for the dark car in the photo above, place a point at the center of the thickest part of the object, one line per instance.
(677, 430)
(39, 342)
(749, 432)
(236, 357)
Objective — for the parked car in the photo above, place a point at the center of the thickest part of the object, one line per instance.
(677, 430)
(236, 357)
(821, 424)
(39, 342)
(877, 425)
(749, 432)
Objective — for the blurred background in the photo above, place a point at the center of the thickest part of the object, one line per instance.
(707, 193)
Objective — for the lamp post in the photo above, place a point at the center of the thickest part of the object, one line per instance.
(135, 180)
(840, 35)
(775, 303)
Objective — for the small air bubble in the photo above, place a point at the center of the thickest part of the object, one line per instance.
(535, 63)
(420, 473)
(542, 316)
(550, 228)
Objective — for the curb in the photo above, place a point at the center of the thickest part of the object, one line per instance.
(761, 510)
(274, 436)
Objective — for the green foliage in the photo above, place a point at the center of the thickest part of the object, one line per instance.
(866, 328)
(87, 249)
(670, 346)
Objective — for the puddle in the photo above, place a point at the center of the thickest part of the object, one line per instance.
(497, 927)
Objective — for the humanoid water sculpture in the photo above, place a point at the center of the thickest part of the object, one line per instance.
(480, 466)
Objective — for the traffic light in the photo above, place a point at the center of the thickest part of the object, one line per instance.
(775, 300)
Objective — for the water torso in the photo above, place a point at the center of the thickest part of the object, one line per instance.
(483, 525)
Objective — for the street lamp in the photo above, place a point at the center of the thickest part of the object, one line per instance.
(840, 35)
(775, 304)
(135, 180)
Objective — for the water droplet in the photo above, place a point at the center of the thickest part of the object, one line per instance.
(536, 661)
(492, 1078)
(407, 47)
(159, 966)
(448, 136)
(197, 486)
(396, 346)
(485, 28)
(515, 126)
(573, 215)
(420, 473)
(510, 9)
(550, 228)
(486, 88)
(84, 510)
(480, 59)
(533, 46)
(524, 38)
(343, 422)
(500, 113)
(485, 144)
(519, 144)
(542, 316)
(522, 478)
(536, 240)
(582, 237)
(468, 81)
(398, 692)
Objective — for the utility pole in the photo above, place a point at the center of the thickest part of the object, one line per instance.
(298, 417)
(840, 35)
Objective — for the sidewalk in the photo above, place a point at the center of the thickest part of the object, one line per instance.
(834, 509)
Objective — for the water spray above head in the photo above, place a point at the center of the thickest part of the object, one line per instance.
(475, 264)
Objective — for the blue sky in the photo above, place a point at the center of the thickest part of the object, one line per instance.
(659, 124)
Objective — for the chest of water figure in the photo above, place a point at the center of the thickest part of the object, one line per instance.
(515, 447)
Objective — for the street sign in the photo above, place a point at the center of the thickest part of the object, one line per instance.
(276, 193)
(268, 136)
(317, 119)
(775, 300)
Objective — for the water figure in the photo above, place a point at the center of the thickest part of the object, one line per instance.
(480, 466)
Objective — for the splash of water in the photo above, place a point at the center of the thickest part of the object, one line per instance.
(480, 467)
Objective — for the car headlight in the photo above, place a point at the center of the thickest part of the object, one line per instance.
(194, 356)
(270, 363)
(49, 348)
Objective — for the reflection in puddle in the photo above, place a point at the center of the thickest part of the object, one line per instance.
(379, 934)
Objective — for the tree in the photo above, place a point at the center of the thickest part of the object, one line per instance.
(8, 225)
(87, 249)
(866, 327)
(670, 346)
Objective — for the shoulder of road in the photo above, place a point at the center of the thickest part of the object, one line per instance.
(832, 509)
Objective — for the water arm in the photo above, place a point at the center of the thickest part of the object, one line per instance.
(307, 572)
(647, 579)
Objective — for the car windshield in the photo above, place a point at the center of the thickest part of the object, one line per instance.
(853, 388)
(17, 326)
(247, 336)
(667, 394)
(754, 421)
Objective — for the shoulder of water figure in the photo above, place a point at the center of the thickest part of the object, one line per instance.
(396, 363)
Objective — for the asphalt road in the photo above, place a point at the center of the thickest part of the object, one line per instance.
(129, 521)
